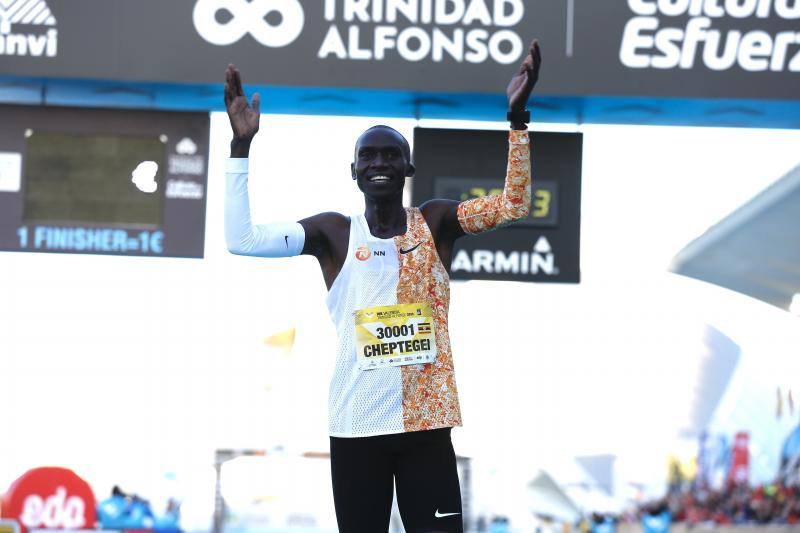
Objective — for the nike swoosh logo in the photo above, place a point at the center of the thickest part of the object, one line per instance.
(410, 249)
(286, 238)
(442, 515)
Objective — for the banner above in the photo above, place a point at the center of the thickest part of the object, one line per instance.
(745, 50)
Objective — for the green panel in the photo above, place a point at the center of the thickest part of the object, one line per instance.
(87, 179)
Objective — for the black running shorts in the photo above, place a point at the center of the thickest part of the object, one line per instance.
(422, 464)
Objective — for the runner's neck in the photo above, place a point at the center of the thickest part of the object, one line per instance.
(385, 219)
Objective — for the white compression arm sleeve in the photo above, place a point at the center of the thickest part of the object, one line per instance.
(277, 239)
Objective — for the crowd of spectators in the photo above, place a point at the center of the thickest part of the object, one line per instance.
(736, 504)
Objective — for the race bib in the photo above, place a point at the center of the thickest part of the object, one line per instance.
(395, 335)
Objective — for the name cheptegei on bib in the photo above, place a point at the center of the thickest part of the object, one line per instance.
(395, 335)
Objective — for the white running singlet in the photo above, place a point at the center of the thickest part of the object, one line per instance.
(381, 272)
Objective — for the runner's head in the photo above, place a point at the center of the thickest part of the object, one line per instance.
(382, 162)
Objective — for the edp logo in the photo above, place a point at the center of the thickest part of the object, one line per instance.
(273, 23)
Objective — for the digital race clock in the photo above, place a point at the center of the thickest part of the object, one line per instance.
(544, 196)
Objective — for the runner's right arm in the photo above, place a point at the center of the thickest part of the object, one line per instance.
(324, 235)
(279, 239)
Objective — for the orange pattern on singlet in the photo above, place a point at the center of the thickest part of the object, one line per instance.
(430, 397)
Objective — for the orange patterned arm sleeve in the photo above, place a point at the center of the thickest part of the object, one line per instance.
(491, 212)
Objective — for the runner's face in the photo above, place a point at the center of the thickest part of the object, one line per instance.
(381, 163)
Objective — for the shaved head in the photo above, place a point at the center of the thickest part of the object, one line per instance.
(403, 142)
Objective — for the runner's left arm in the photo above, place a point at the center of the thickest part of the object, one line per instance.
(479, 215)
(278, 239)
(514, 203)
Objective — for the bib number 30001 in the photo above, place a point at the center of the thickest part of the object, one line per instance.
(395, 335)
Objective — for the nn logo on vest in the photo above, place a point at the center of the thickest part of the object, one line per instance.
(26, 29)
(273, 23)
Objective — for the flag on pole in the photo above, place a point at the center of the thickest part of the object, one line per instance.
(283, 340)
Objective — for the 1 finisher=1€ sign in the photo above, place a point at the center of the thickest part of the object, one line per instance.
(474, 31)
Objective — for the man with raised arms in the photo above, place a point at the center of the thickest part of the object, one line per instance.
(390, 409)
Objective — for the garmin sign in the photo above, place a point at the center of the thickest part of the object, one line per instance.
(651, 40)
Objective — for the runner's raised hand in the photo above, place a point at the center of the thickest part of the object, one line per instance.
(520, 87)
(244, 117)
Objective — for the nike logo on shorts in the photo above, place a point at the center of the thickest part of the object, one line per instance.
(410, 249)
(442, 515)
